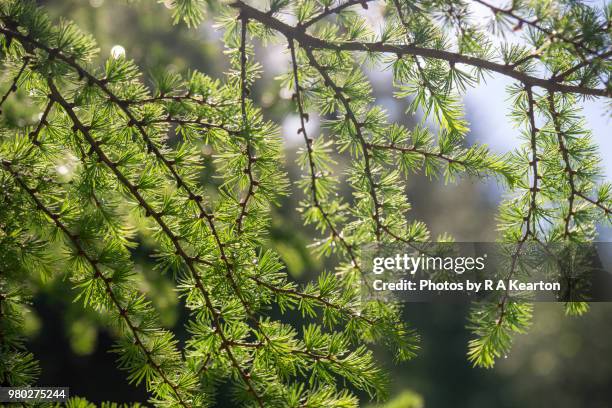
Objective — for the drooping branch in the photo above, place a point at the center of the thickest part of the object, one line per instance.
(121, 309)
(358, 132)
(311, 163)
(251, 159)
(189, 261)
(510, 12)
(493, 322)
(529, 220)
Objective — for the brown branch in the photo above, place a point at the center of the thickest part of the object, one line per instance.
(607, 210)
(41, 123)
(177, 98)
(334, 10)
(561, 76)
(308, 41)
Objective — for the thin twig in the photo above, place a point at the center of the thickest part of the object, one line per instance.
(510, 13)
(333, 10)
(13, 87)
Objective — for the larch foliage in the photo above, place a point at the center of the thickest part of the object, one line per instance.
(96, 161)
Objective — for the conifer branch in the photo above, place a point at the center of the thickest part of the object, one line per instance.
(560, 77)
(529, 219)
(42, 122)
(607, 210)
(251, 159)
(196, 122)
(350, 115)
(111, 129)
(567, 168)
(310, 42)
(178, 99)
(123, 106)
(311, 164)
(151, 147)
(510, 12)
(492, 323)
(19, 367)
(413, 149)
(329, 11)
(319, 299)
(158, 217)
(121, 309)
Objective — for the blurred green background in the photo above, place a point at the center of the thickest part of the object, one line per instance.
(562, 362)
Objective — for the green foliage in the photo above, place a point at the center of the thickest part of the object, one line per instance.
(406, 399)
(20, 255)
(97, 162)
(76, 402)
